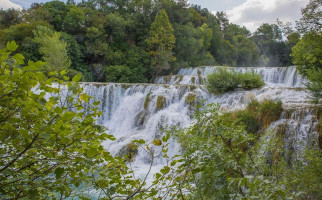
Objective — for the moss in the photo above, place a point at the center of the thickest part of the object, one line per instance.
(200, 77)
(161, 101)
(167, 78)
(199, 72)
(192, 87)
(193, 80)
(140, 118)
(147, 101)
(126, 86)
(178, 78)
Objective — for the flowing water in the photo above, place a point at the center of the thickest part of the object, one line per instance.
(143, 111)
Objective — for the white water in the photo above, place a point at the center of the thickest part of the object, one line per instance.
(272, 76)
(127, 119)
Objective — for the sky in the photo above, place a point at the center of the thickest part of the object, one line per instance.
(248, 13)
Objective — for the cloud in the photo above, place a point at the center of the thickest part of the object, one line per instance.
(5, 4)
(253, 13)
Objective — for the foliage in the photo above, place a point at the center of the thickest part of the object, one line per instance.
(50, 146)
(42, 140)
(311, 17)
(54, 50)
(101, 34)
(250, 80)
(74, 20)
(225, 162)
(161, 41)
(307, 55)
(222, 81)
(225, 80)
(258, 115)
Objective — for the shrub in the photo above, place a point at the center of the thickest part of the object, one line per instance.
(222, 81)
(269, 111)
(248, 118)
(258, 115)
(250, 80)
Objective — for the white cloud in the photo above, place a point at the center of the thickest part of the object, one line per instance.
(253, 13)
(5, 4)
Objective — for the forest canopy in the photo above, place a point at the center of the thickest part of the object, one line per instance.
(113, 41)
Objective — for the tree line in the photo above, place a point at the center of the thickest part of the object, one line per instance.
(134, 41)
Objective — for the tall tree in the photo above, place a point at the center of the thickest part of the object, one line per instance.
(161, 41)
(54, 50)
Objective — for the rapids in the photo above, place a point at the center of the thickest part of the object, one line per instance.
(142, 111)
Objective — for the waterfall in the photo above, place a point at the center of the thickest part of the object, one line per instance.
(272, 76)
(142, 111)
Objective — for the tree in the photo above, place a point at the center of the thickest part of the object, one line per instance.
(311, 17)
(224, 161)
(74, 20)
(54, 50)
(58, 10)
(46, 148)
(161, 41)
(247, 51)
(9, 17)
(307, 55)
(50, 145)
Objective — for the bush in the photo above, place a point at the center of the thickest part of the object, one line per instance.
(250, 80)
(258, 115)
(269, 111)
(248, 118)
(222, 81)
(225, 80)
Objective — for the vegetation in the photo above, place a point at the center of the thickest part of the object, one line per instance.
(222, 81)
(307, 54)
(224, 161)
(50, 146)
(161, 41)
(160, 103)
(258, 115)
(250, 80)
(133, 41)
(225, 80)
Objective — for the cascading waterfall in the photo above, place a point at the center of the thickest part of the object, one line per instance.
(142, 111)
(272, 76)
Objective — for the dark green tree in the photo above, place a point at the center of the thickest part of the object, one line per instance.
(160, 42)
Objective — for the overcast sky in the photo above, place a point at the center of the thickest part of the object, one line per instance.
(249, 13)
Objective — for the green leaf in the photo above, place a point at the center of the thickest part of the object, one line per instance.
(77, 77)
(59, 172)
(63, 72)
(141, 141)
(165, 170)
(92, 152)
(157, 142)
(12, 46)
